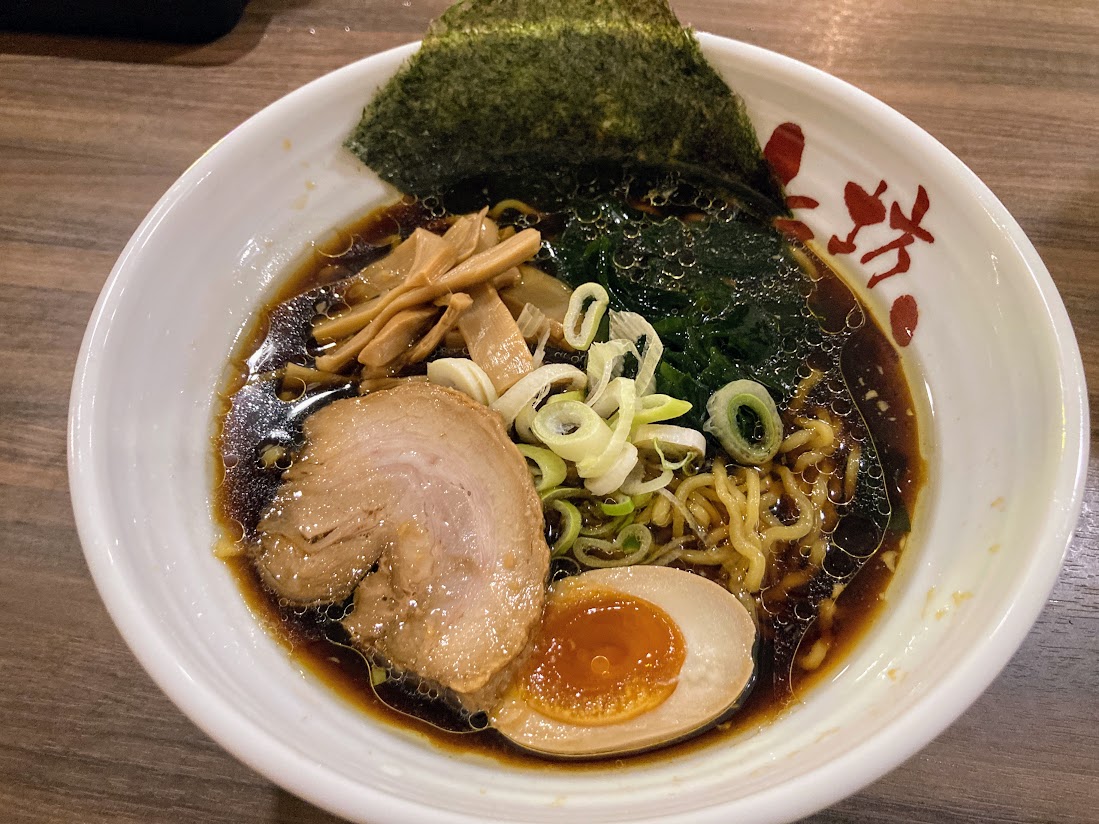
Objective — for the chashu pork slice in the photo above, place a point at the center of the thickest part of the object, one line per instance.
(425, 483)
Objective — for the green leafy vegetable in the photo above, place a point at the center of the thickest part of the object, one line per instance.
(513, 86)
(722, 291)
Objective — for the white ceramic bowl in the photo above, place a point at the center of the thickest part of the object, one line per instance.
(1003, 418)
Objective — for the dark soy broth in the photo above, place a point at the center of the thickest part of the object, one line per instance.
(280, 333)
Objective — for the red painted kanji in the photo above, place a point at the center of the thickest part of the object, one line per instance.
(783, 151)
(864, 208)
(868, 209)
(903, 316)
(910, 230)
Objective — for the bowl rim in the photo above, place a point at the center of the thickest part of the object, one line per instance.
(820, 787)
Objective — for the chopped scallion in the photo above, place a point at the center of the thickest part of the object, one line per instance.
(551, 469)
(744, 418)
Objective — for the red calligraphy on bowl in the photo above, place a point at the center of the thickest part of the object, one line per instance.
(784, 151)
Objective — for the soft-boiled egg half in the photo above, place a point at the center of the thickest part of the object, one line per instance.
(628, 659)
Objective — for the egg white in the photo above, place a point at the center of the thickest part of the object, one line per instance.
(719, 635)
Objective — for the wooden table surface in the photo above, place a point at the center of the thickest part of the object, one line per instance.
(92, 132)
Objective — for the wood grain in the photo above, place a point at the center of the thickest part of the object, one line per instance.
(91, 134)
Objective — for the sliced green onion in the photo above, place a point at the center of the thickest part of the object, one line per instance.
(576, 395)
(523, 421)
(672, 465)
(686, 513)
(551, 468)
(625, 392)
(465, 376)
(619, 551)
(621, 506)
(634, 328)
(605, 363)
(609, 406)
(564, 493)
(670, 441)
(638, 533)
(616, 475)
(582, 547)
(586, 308)
(633, 485)
(725, 407)
(535, 385)
(571, 429)
(653, 408)
(606, 527)
(526, 415)
(570, 526)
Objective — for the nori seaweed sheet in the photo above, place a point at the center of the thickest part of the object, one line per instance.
(506, 85)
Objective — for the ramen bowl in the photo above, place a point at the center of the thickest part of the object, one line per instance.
(985, 342)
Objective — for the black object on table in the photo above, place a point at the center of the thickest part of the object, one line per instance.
(177, 21)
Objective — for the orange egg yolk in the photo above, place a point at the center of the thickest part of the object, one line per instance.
(601, 658)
